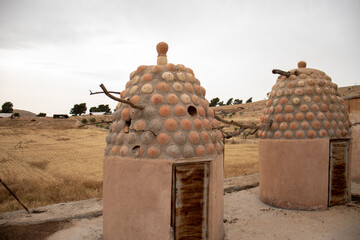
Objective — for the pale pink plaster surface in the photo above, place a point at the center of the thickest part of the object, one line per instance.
(294, 173)
(137, 198)
(355, 155)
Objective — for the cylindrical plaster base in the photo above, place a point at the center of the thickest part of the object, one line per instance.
(294, 173)
(137, 198)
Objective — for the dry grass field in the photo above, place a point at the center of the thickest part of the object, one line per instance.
(50, 161)
(45, 165)
(241, 159)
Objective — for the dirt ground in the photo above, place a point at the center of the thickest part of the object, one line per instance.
(245, 217)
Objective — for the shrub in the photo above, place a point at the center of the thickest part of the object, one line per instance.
(229, 102)
(41, 115)
(249, 100)
(84, 121)
(92, 120)
(237, 101)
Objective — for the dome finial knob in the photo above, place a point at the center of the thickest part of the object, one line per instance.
(302, 64)
(162, 49)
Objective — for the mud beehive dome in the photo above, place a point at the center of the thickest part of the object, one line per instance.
(176, 120)
(305, 105)
(304, 142)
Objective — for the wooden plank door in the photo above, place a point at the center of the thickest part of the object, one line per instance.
(338, 172)
(190, 196)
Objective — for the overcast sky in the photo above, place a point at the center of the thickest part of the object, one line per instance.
(52, 52)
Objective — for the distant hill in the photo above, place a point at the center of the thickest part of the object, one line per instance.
(349, 91)
(24, 113)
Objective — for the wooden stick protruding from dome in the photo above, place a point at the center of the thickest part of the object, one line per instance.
(162, 48)
(120, 99)
(281, 72)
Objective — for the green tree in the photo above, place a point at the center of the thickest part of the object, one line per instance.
(104, 108)
(101, 108)
(221, 103)
(78, 109)
(229, 102)
(93, 109)
(249, 100)
(237, 101)
(7, 107)
(214, 102)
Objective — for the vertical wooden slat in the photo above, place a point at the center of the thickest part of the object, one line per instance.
(190, 200)
(338, 172)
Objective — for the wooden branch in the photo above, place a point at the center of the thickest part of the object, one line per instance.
(232, 134)
(93, 93)
(13, 194)
(119, 99)
(255, 127)
(242, 126)
(281, 72)
(266, 125)
(354, 124)
(255, 131)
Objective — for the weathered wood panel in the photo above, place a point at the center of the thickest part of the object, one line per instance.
(338, 173)
(353, 105)
(190, 201)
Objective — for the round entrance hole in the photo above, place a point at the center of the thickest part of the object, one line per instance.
(136, 151)
(192, 110)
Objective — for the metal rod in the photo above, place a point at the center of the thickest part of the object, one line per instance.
(13, 194)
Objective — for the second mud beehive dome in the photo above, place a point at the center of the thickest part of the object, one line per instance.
(305, 104)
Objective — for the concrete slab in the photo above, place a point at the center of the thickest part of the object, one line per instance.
(53, 213)
(245, 217)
